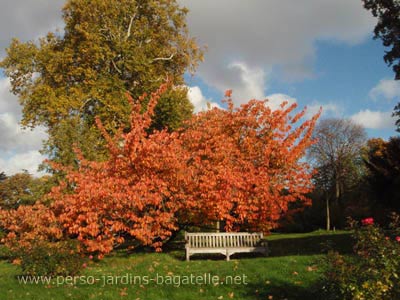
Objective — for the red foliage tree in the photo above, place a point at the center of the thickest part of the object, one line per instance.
(135, 193)
(245, 164)
(241, 165)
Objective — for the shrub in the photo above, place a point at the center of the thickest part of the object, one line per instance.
(372, 273)
(50, 258)
(34, 239)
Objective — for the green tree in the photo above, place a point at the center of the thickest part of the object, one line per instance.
(23, 189)
(383, 163)
(336, 155)
(388, 30)
(107, 48)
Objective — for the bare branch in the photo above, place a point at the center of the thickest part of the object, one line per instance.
(115, 66)
(128, 34)
(164, 58)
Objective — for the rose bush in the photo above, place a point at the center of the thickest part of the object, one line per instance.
(372, 273)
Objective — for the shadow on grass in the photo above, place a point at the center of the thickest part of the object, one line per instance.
(280, 290)
(318, 244)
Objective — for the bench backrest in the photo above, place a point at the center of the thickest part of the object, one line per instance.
(222, 239)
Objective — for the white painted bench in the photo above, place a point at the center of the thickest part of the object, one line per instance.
(226, 243)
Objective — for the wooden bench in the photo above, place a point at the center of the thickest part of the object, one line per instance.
(226, 243)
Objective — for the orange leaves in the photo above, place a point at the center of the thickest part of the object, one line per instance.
(239, 165)
(245, 164)
(28, 224)
(228, 93)
(135, 194)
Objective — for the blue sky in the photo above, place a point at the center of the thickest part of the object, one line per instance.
(344, 77)
(312, 52)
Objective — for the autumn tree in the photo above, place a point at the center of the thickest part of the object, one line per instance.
(134, 195)
(388, 30)
(245, 164)
(67, 79)
(337, 157)
(241, 165)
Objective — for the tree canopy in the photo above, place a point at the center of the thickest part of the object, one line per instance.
(388, 30)
(241, 166)
(106, 48)
(383, 163)
(22, 189)
(337, 157)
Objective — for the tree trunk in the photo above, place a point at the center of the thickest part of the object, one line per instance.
(218, 226)
(328, 215)
(337, 191)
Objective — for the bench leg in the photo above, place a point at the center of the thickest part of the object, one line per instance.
(187, 255)
(228, 256)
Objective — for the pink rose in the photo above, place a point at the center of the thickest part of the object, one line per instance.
(367, 221)
(397, 238)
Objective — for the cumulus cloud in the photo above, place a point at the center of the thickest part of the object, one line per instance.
(22, 161)
(198, 100)
(17, 144)
(250, 82)
(265, 35)
(14, 138)
(328, 109)
(386, 89)
(275, 100)
(374, 119)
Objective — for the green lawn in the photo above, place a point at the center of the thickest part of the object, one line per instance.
(290, 272)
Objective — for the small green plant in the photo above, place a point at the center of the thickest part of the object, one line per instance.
(373, 272)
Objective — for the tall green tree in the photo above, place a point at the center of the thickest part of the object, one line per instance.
(388, 30)
(107, 48)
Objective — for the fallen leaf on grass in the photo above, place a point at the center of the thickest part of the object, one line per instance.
(311, 268)
(123, 292)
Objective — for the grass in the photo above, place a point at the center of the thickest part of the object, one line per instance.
(291, 271)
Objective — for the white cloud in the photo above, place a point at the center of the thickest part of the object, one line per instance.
(198, 100)
(8, 102)
(22, 161)
(270, 35)
(328, 109)
(387, 89)
(14, 138)
(18, 145)
(374, 119)
(250, 82)
(275, 100)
